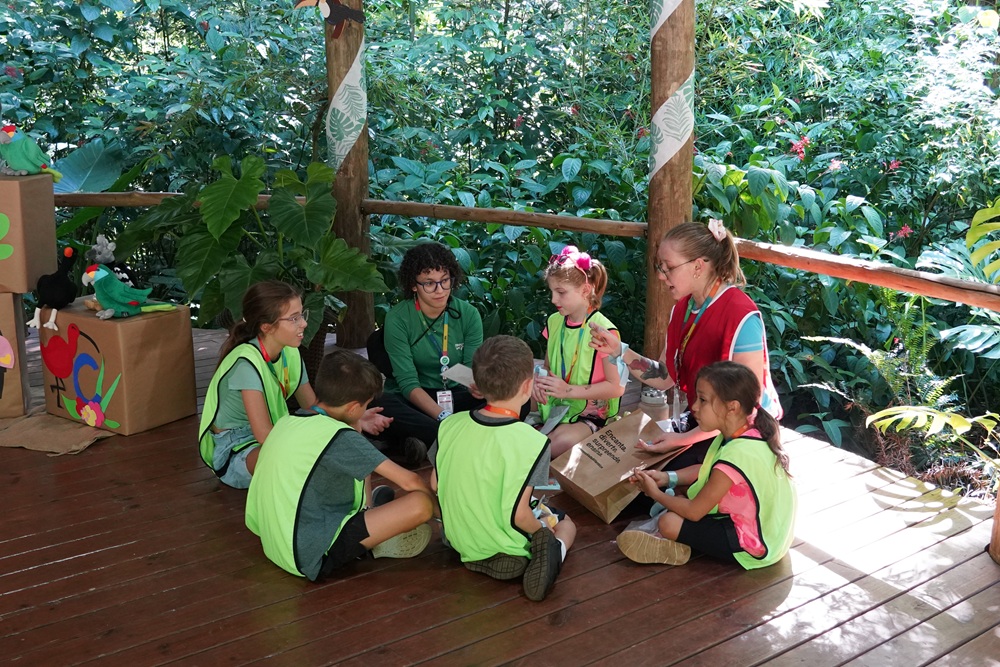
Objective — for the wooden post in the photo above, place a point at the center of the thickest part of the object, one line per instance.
(347, 135)
(995, 541)
(671, 157)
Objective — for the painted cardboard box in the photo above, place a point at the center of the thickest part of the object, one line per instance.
(124, 375)
(14, 392)
(27, 231)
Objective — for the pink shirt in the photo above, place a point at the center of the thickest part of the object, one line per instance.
(740, 504)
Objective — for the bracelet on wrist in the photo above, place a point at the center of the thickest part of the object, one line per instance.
(671, 479)
(443, 415)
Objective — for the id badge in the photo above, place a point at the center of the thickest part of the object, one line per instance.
(444, 399)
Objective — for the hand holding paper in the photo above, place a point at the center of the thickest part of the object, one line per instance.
(461, 374)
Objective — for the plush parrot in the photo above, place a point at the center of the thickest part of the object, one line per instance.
(116, 298)
(22, 154)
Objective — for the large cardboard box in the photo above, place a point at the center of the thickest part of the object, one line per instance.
(27, 231)
(125, 375)
(14, 394)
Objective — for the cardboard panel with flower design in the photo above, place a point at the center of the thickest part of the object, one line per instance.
(27, 231)
(124, 375)
(14, 395)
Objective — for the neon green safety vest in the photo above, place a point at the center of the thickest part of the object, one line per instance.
(773, 491)
(274, 498)
(276, 405)
(566, 345)
(483, 469)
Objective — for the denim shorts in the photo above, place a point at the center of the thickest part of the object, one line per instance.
(236, 475)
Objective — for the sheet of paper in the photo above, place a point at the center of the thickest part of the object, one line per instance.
(459, 373)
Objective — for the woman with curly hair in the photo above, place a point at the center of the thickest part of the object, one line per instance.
(425, 334)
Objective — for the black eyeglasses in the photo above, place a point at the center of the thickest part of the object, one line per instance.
(664, 269)
(431, 286)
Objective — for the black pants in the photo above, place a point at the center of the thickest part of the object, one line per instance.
(408, 420)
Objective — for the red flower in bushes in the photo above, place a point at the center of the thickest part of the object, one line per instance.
(799, 147)
(641, 132)
(519, 121)
(894, 165)
(13, 72)
(903, 232)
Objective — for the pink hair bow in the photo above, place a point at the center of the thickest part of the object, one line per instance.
(571, 253)
(717, 228)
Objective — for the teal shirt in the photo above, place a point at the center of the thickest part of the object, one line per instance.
(416, 355)
(232, 410)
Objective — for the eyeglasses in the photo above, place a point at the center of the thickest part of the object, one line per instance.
(297, 317)
(664, 269)
(431, 286)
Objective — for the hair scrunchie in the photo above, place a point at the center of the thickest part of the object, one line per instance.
(717, 228)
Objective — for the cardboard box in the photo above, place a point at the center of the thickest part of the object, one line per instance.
(595, 471)
(124, 375)
(14, 393)
(27, 231)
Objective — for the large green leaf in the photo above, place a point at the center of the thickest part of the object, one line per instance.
(91, 168)
(305, 223)
(223, 201)
(342, 268)
(200, 254)
(89, 213)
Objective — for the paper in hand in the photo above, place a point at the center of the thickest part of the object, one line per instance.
(459, 373)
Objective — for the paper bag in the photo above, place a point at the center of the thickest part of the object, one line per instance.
(595, 471)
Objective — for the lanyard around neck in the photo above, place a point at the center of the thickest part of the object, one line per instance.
(501, 411)
(284, 385)
(443, 347)
(697, 317)
(576, 348)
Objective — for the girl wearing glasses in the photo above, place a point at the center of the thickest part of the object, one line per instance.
(577, 379)
(712, 320)
(259, 369)
(425, 334)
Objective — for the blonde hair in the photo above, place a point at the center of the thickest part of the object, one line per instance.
(694, 240)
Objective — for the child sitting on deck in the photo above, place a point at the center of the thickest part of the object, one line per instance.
(487, 464)
(740, 504)
(307, 492)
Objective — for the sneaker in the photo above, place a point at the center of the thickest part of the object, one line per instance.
(414, 452)
(500, 566)
(641, 547)
(382, 495)
(546, 561)
(404, 545)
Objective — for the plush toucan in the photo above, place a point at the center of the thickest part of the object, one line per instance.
(116, 298)
(55, 290)
(335, 13)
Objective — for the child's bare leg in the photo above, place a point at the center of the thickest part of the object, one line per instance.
(565, 531)
(252, 459)
(398, 516)
(670, 525)
(564, 436)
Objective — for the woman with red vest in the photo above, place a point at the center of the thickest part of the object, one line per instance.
(712, 320)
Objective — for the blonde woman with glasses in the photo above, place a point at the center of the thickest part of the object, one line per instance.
(712, 320)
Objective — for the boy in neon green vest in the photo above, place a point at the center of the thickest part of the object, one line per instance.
(307, 492)
(487, 463)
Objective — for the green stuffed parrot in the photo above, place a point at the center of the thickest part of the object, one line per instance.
(116, 298)
(22, 155)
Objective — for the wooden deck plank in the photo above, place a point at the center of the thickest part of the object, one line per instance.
(983, 651)
(132, 552)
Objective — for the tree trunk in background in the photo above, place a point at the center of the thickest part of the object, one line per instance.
(672, 153)
(347, 134)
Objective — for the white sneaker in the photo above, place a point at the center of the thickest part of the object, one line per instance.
(404, 545)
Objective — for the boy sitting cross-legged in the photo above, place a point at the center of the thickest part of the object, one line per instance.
(307, 494)
(487, 463)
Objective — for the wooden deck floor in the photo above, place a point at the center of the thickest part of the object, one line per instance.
(131, 553)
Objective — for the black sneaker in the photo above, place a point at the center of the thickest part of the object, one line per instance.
(414, 452)
(500, 566)
(546, 561)
(382, 495)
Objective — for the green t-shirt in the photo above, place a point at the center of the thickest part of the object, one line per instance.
(415, 348)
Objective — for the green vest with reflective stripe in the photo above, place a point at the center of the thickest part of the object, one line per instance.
(773, 491)
(483, 469)
(276, 405)
(294, 447)
(561, 350)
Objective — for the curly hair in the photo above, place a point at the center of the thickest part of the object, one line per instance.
(427, 257)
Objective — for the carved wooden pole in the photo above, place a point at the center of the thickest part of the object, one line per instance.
(672, 133)
(994, 548)
(347, 138)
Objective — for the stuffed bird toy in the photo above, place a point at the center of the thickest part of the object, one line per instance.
(22, 154)
(116, 298)
(55, 290)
